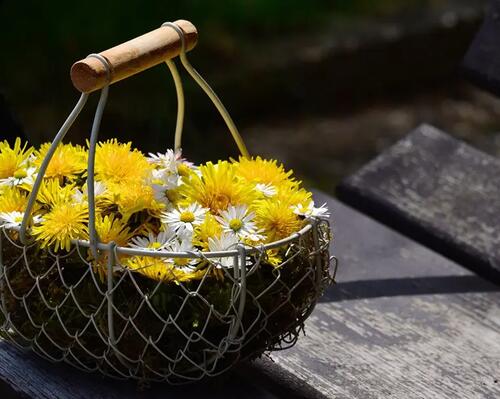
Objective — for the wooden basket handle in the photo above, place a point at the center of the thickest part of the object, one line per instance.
(133, 57)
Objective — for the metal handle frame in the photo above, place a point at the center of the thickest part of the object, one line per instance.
(93, 238)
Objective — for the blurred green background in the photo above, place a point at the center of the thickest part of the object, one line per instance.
(287, 70)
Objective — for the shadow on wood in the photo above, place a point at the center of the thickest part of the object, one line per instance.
(365, 289)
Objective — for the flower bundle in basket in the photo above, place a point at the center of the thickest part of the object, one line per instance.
(150, 267)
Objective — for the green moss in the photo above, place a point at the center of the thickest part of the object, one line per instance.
(159, 326)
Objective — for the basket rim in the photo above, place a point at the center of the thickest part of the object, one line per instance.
(108, 247)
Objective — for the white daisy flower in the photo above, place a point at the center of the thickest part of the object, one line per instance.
(162, 181)
(21, 176)
(164, 161)
(164, 178)
(268, 190)
(180, 246)
(14, 219)
(184, 218)
(237, 220)
(182, 234)
(226, 242)
(79, 196)
(184, 264)
(155, 242)
(253, 236)
(310, 211)
(171, 161)
(10, 220)
(160, 194)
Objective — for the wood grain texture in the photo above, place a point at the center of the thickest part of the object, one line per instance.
(438, 339)
(33, 377)
(482, 61)
(132, 57)
(439, 346)
(439, 191)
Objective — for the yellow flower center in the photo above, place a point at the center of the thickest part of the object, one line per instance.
(220, 201)
(235, 224)
(155, 245)
(20, 174)
(187, 217)
(181, 261)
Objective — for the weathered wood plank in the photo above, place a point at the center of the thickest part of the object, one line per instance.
(439, 191)
(435, 346)
(438, 339)
(482, 61)
(33, 377)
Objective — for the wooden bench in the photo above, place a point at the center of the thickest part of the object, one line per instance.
(439, 191)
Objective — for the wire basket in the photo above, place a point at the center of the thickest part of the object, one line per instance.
(85, 308)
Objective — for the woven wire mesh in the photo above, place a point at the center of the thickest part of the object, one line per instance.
(102, 316)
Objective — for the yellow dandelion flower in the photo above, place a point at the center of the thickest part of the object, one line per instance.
(273, 257)
(157, 269)
(293, 194)
(52, 193)
(208, 229)
(65, 222)
(69, 161)
(118, 163)
(132, 198)
(111, 229)
(12, 159)
(260, 170)
(217, 187)
(12, 199)
(276, 219)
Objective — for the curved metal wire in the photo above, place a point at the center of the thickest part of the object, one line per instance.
(95, 131)
(96, 124)
(179, 124)
(197, 254)
(43, 167)
(209, 92)
(104, 330)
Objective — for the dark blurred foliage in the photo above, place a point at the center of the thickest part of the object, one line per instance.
(41, 39)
